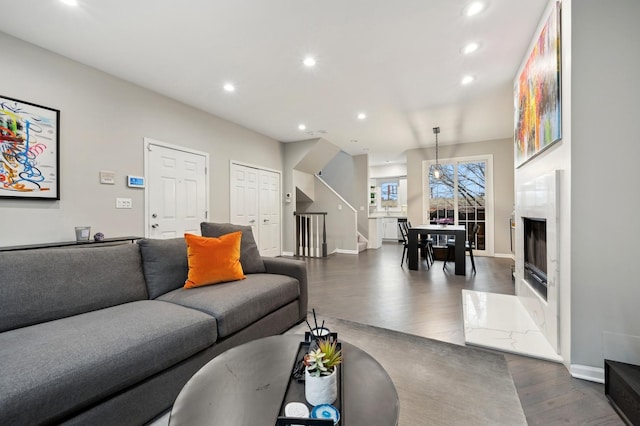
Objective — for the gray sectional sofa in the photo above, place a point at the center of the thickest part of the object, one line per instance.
(108, 335)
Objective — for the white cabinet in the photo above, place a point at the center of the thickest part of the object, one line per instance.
(375, 233)
(390, 228)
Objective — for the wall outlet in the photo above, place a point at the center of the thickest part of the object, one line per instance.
(124, 203)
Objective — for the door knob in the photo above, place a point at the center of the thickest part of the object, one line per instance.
(155, 225)
(265, 221)
(154, 215)
(252, 221)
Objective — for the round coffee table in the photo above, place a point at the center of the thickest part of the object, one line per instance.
(246, 385)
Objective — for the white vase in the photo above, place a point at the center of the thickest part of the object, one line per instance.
(321, 390)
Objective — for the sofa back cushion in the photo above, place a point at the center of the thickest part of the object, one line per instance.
(165, 264)
(250, 258)
(46, 284)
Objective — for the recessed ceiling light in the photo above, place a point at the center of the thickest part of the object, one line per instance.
(229, 87)
(309, 62)
(470, 48)
(70, 2)
(302, 127)
(474, 8)
(362, 116)
(467, 79)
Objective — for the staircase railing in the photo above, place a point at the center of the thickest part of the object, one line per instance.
(311, 234)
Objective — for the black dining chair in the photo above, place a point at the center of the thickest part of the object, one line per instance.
(422, 244)
(469, 245)
(427, 244)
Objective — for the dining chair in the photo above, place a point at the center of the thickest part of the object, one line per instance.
(423, 246)
(469, 245)
(426, 243)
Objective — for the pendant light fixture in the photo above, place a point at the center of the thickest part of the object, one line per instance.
(436, 171)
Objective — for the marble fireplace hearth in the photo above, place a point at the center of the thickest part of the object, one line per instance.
(527, 323)
(500, 321)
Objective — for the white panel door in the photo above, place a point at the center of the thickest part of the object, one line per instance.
(269, 213)
(255, 201)
(176, 191)
(244, 197)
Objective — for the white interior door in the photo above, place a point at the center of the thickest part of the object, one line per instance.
(269, 213)
(244, 197)
(255, 201)
(176, 192)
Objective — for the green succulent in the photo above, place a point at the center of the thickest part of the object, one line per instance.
(323, 360)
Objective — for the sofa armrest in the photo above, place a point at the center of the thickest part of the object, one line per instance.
(293, 268)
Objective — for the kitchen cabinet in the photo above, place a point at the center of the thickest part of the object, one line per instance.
(390, 228)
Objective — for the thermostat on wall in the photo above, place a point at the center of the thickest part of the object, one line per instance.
(135, 181)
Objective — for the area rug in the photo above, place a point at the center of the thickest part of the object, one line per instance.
(438, 383)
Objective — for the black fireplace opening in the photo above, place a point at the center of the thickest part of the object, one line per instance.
(535, 254)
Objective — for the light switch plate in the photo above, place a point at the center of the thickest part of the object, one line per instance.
(107, 177)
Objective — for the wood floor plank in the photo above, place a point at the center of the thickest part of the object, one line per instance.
(372, 288)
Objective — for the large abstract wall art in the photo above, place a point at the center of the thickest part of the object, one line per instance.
(538, 95)
(29, 150)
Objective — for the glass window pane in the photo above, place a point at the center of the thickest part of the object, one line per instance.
(441, 194)
(458, 196)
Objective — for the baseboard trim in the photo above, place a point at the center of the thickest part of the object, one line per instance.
(343, 251)
(506, 256)
(585, 372)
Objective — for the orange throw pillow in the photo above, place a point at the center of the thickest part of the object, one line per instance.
(213, 260)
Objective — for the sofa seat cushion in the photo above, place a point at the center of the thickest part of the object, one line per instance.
(53, 369)
(237, 304)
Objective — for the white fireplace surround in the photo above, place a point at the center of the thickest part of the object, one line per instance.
(539, 198)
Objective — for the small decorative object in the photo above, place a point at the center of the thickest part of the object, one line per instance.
(326, 412)
(83, 233)
(296, 409)
(99, 236)
(321, 378)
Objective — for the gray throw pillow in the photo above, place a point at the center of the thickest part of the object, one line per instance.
(165, 265)
(250, 258)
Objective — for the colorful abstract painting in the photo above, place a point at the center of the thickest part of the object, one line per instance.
(537, 94)
(29, 146)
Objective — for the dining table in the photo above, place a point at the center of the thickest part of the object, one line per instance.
(457, 231)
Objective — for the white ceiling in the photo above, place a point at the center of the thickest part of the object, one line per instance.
(400, 62)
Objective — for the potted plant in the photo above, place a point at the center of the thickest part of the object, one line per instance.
(321, 379)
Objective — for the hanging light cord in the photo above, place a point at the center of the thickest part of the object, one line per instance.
(436, 172)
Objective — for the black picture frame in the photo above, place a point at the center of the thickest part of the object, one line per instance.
(29, 150)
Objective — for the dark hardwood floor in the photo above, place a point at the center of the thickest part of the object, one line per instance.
(372, 288)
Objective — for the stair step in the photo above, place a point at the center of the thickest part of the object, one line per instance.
(622, 388)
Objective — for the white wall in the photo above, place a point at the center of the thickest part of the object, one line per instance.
(103, 121)
(347, 175)
(605, 199)
(387, 170)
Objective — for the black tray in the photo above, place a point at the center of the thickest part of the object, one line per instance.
(295, 392)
